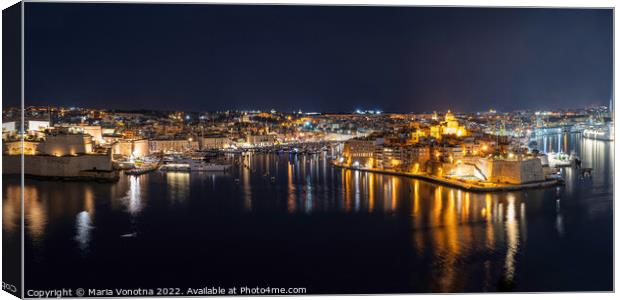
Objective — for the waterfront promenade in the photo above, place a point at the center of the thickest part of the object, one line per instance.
(469, 186)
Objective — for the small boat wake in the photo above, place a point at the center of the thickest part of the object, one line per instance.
(129, 235)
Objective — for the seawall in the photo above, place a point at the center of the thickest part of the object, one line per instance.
(463, 185)
(80, 167)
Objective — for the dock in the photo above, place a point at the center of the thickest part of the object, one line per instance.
(140, 171)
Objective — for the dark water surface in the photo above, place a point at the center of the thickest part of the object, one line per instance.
(325, 229)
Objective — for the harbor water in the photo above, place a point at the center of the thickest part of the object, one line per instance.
(295, 221)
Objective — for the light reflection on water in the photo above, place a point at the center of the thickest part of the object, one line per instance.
(595, 154)
(11, 207)
(177, 184)
(84, 227)
(35, 213)
(512, 233)
(84, 221)
(453, 234)
(247, 186)
(455, 225)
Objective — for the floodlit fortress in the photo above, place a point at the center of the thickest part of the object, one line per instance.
(63, 152)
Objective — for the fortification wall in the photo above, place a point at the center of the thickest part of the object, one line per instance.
(532, 170)
(512, 171)
(52, 166)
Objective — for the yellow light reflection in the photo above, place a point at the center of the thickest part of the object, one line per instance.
(395, 189)
(512, 232)
(371, 192)
(11, 208)
(416, 198)
(291, 202)
(347, 195)
(35, 213)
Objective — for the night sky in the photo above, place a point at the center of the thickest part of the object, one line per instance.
(337, 59)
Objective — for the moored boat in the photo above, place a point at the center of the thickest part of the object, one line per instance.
(189, 165)
(603, 133)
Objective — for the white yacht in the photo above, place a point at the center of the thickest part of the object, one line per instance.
(604, 133)
(559, 159)
(190, 165)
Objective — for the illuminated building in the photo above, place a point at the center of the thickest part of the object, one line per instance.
(214, 142)
(172, 145)
(34, 125)
(402, 157)
(416, 133)
(435, 131)
(94, 131)
(359, 152)
(15, 147)
(261, 140)
(9, 126)
(131, 148)
(449, 126)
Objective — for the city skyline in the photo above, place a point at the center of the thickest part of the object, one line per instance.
(357, 111)
(325, 59)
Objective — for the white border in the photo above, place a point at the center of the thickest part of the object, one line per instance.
(509, 3)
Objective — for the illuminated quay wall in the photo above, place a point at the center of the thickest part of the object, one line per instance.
(497, 170)
(515, 171)
(53, 166)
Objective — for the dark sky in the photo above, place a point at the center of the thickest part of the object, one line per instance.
(213, 57)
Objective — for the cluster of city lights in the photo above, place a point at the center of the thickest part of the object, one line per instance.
(367, 112)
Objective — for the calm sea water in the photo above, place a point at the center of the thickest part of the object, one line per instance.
(318, 227)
